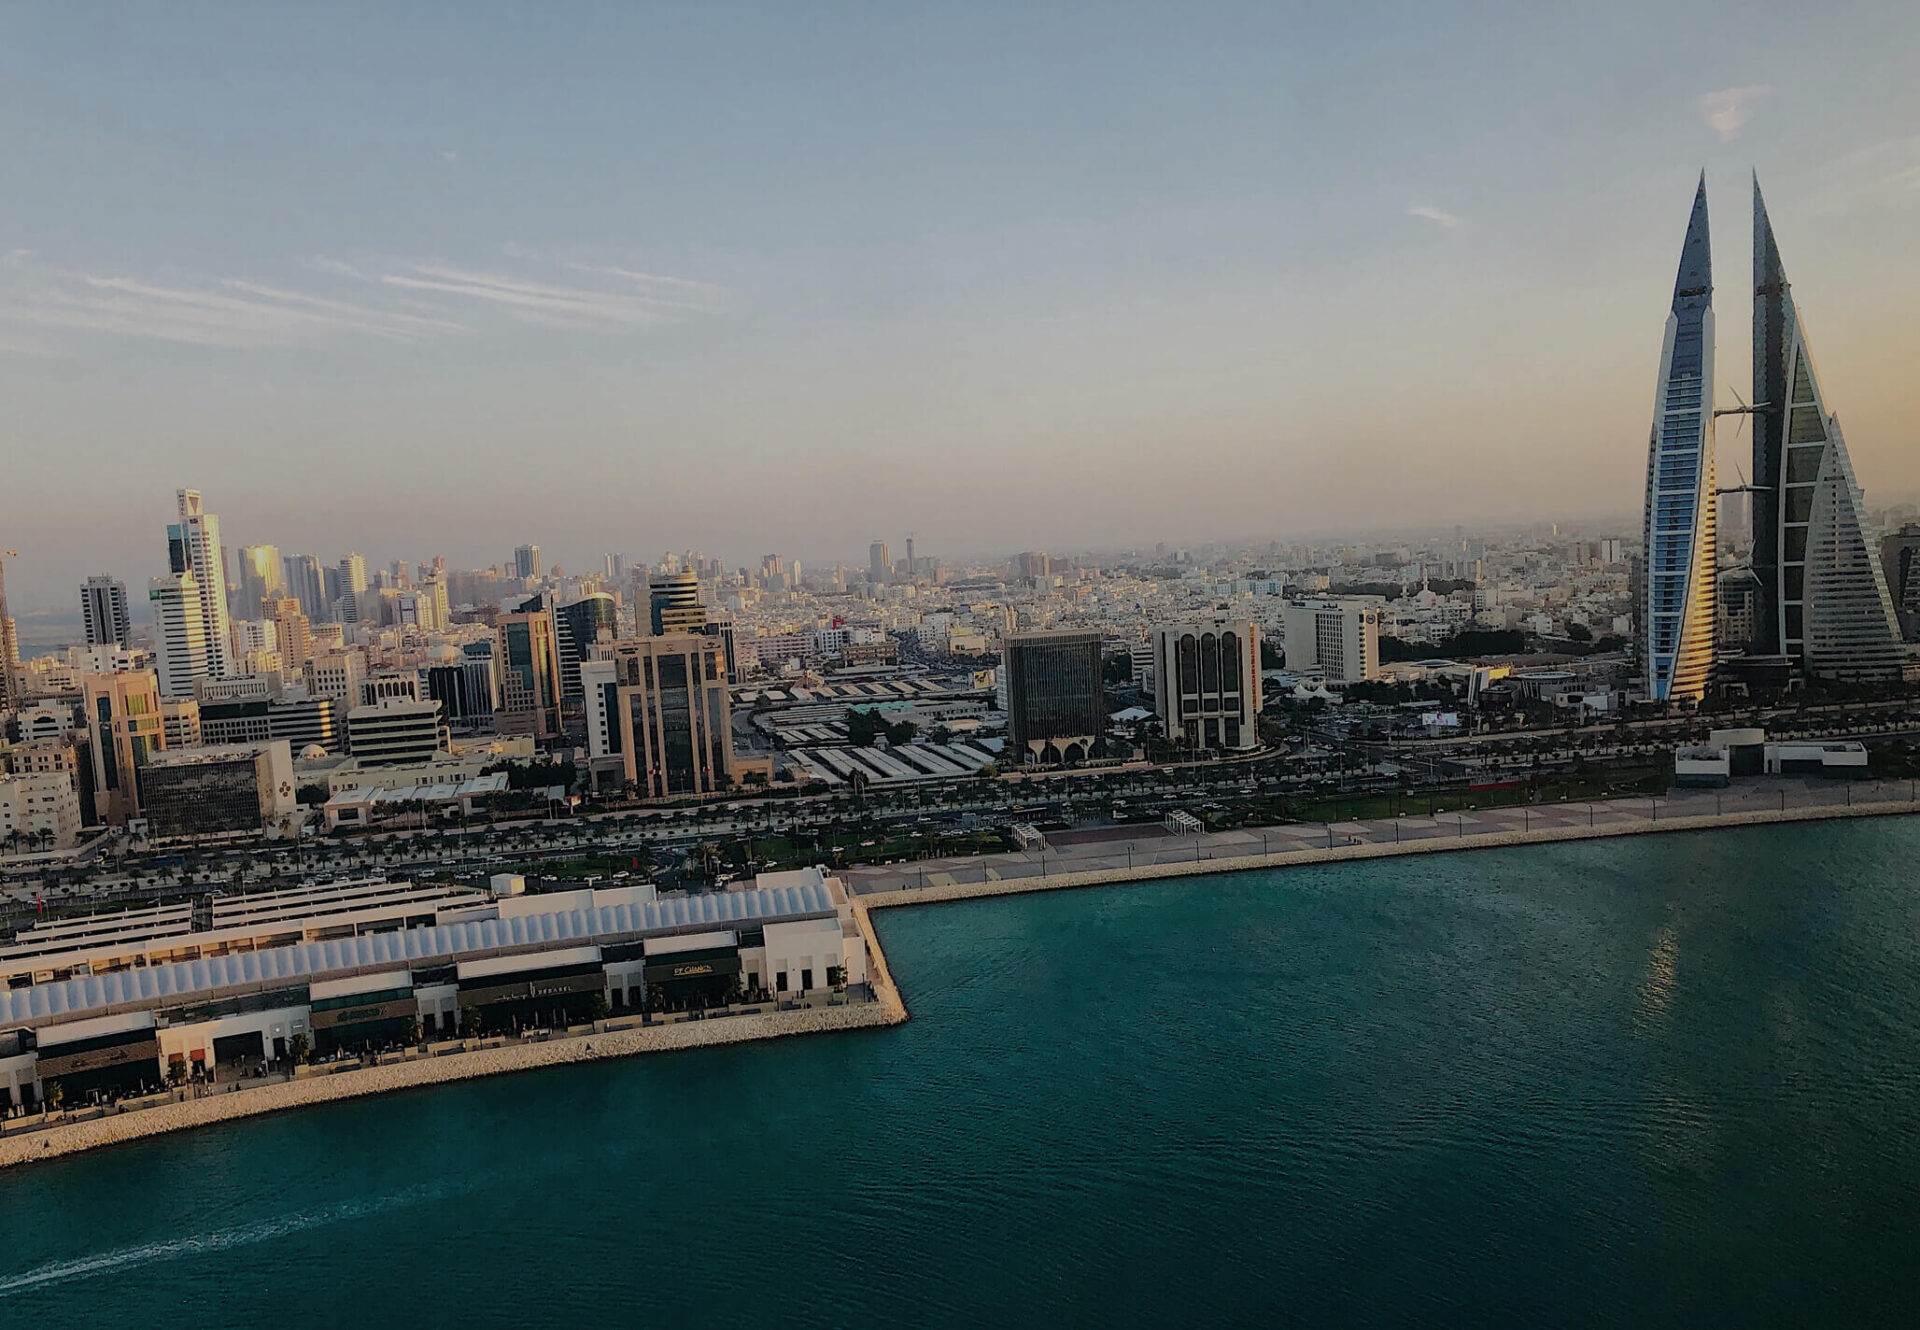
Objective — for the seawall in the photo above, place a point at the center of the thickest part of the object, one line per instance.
(92, 1133)
(1015, 886)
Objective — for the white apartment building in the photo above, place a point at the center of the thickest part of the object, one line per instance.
(179, 633)
(1337, 639)
(194, 547)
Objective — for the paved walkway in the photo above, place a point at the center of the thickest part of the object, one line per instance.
(1747, 801)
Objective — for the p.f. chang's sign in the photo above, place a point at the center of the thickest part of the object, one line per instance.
(690, 969)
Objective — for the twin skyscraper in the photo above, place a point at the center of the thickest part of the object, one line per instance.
(1823, 607)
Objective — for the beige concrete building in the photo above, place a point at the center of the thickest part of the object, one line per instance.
(38, 812)
(123, 718)
(665, 714)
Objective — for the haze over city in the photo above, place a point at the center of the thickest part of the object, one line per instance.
(757, 277)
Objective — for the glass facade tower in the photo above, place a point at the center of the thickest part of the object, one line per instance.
(1679, 614)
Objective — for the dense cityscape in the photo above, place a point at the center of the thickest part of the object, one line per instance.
(998, 665)
(283, 738)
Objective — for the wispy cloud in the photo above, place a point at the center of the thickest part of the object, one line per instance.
(1441, 218)
(386, 301)
(1728, 110)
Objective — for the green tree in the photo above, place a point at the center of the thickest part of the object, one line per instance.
(54, 1093)
(299, 1049)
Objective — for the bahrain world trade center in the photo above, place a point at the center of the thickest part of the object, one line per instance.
(1825, 610)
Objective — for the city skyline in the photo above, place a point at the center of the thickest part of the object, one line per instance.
(1278, 249)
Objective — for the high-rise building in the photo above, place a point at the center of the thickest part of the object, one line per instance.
(663, 710)
(261, 578)
(1206, 683)
(193, 546)
(527, 668)
(577, 628)
(1825, 601)
(1336, 639)
(1032, 564)
(526, 562)
(103, 610)
(180, 643)
(307, 584)
(879, 561)
(291, 629)
(125, 728)
(1900, 565)
(1679, 616)
(616, 568)
(10, 685)
(673, 603)
(1056, 709)
(353, 581)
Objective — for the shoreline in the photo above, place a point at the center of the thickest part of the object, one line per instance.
(941, 893)
(887, 1009)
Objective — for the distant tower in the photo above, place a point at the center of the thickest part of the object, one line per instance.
(261, 578)
(103, 609)
(1680, 613)
(193, 546)
(526, 562)
(353, 580)
(879, 561)
(9, 651)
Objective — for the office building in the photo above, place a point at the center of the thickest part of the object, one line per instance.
(462, 683)
(301, 721)
(336, 675)
(291, 630)
(1739, 609)
(124, 730)
(180, 721)
(663, 710)
(193, 546)
(578, 626)
(526, 666)
(526, 563)
(1679, 616)
(351, 586)
(1825, 600)
(306, 582)
(181, 650)
(1206, 684)
(208, 791)
(262, 578)
(879, 562)
(673, 603)
(1056, 709)
(104, 612)
(38, 811)
(1032, 565)
(1339, 640)
(395, 729)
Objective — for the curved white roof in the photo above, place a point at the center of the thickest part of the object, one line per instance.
(444, 944)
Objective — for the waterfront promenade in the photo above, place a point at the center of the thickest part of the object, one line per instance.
(1148, 852)
(1097, 857)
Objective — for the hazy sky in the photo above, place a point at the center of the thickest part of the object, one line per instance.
(786, 277)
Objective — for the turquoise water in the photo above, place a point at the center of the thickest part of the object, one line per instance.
(1664, 1080)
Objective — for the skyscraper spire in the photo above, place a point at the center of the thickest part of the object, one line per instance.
(1677, 613)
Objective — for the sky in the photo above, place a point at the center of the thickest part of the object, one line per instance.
(417, 280)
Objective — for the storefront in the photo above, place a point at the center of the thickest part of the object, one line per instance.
(550, 990)
(693, 972)
(366, 1011)
(110, 1055)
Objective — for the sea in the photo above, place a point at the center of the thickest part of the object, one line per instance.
(1655, 1081)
